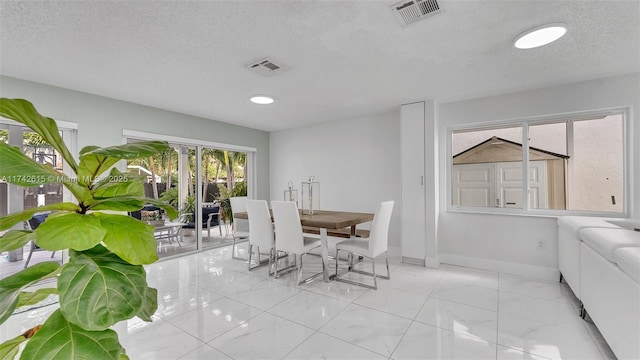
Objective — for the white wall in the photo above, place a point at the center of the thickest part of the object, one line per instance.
(356, 162)
(101, 121)
(508, 243)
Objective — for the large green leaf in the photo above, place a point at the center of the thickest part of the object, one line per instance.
(81, 192)
(31, 298)
(70, 230)
(98, 289)
(120, 186)
(91, 166)
(95, 161)
(118, 204)
(117, 176)
(24, 112)
(150, 305)
(11, 286)
(59, 339)
(19, 169)
(131, 151)
(15, 239)
(9, 349)
(130, 239)
(8, 221)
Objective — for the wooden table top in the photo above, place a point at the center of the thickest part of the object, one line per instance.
(327, 219)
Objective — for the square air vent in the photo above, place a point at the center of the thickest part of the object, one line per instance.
(411, 11)
(265, 67)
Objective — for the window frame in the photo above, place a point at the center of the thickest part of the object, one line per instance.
(525, 122)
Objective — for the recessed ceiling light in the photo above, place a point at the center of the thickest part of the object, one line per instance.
(261, 99)
(540, 36)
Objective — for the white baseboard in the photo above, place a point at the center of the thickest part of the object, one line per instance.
(413, 261)
(529, 271)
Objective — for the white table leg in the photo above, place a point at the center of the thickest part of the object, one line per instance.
(325, 254)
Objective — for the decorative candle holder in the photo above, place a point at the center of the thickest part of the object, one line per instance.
(291, 194)
(310, 196)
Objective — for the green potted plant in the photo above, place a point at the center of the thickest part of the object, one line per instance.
(239, 189)
(104, 281)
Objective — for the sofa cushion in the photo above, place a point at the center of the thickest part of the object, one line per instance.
(573, 224)
(628, 259)
(606, 241)
(37, 219)
(138, 213)
(205, 216)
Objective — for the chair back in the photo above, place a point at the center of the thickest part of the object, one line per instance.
(37, 219)
(286, 219)
(239, 204)
(260, 225)
(379, 236)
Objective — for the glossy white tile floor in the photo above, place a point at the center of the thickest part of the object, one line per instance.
(211, 307)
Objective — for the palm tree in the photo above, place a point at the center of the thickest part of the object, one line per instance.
(166, 161)
(222, 158)
(154, 183)
(207, 155)
(238, 159)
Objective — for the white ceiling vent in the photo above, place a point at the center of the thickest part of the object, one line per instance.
(265, 67)
(411, 11)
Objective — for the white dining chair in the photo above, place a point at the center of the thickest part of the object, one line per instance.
(371, 248)
(261, 236)
(240, 228)
(290, 239)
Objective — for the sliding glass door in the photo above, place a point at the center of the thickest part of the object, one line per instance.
(198, 180)
(223, 175)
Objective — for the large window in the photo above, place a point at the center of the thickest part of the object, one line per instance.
(573, 164)
(15, 198)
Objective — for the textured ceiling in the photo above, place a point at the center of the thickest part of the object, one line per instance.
(343, 59)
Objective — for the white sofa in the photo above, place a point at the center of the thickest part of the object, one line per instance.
(569, 246)
(601, 263)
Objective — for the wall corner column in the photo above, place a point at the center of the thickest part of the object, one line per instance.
(418, 133)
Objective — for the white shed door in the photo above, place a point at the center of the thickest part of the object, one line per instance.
(509, 184)
(498, 185)
(474, 185)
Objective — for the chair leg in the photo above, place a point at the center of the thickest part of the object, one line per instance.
(299, 265)
(375, 280)
(29, 257)
(373, 273)
(337, 259)
(233, 249)
(258, 253)
(386, 260)
(250, 253)
(271, 257)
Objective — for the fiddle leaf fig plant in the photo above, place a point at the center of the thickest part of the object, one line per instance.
(104, 281)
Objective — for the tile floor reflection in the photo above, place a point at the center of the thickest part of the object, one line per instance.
(211, 307)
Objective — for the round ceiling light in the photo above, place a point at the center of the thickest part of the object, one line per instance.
(540, 36)
(261, 99)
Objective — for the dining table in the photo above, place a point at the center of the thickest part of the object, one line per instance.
(336, 223)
